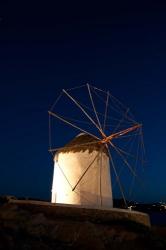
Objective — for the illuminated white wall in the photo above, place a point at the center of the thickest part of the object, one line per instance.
(69, 167)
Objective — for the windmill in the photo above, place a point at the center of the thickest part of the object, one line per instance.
(85, 167)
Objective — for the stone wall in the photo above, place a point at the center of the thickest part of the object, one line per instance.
(84, 213)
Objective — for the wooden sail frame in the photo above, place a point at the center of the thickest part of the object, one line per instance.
(105, 140)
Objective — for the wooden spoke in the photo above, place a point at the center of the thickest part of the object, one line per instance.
(106, 110)
(93, 105)
(117, 176)
(78, 105)
(71, 124)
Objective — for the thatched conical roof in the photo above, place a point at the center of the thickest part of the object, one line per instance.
(82, 142)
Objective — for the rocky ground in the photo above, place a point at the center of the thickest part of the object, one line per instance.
(21, 228)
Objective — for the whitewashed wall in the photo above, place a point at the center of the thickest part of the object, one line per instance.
(69, 167)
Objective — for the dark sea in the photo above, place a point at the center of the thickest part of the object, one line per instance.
(158, 218)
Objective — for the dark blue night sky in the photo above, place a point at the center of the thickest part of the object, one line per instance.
(45, 47)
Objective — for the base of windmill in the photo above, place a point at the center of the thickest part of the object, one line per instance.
(79, 213)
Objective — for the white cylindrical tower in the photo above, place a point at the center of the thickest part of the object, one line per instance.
(82, 174)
